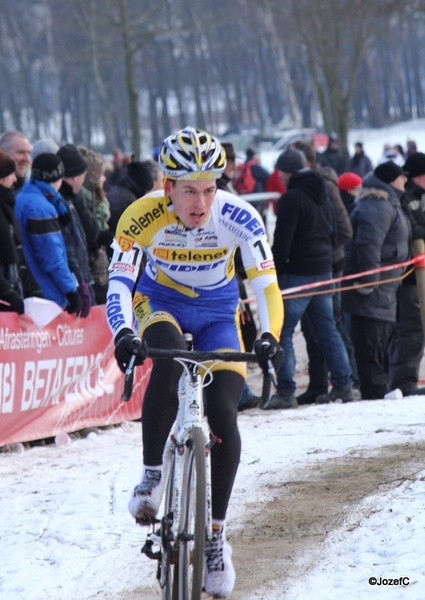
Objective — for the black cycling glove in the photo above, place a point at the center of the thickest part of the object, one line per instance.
(268, 349)
(74, 303)
(128, 344)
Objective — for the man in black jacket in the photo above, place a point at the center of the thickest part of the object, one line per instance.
(407, 341)
(129, 188)
(74, 232)
(381, 238)
(302, 250)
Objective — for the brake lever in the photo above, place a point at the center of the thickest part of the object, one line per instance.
(272, 373)
(129, 373)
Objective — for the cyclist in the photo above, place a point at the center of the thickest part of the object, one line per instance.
(189, 232)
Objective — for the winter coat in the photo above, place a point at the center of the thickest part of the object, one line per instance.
(333, 159)
(99, 207)
(13, 265)
(43, 243)
(348, 200)
(75, 238)
(360, 164)
(344, 231)
(120, 196)
(305, 227)
(87, 219)
(413, 204)
(381, 237)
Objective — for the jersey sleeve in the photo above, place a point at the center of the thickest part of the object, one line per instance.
(123, 273)
(258, 261)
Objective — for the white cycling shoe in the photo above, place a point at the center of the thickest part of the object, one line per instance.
(147, 495)
(219, 575)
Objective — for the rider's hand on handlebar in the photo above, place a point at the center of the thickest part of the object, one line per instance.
(268, 349)
(128, 344)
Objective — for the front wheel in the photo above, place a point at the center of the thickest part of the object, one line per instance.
(193, 515)
(168, 579)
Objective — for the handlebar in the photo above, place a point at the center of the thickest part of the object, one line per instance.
(201, 356)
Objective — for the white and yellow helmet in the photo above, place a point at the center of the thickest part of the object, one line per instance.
(192, 154)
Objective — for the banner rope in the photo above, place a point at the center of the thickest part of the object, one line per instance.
(417, 262)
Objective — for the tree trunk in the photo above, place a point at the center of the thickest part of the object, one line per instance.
(133, 98)
(282, 65)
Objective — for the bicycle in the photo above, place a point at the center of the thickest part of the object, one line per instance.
(186, 524)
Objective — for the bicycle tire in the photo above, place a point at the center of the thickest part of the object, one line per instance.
(193, 517)
(169, 572)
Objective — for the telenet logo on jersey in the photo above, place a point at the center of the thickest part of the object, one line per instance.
(180, 255)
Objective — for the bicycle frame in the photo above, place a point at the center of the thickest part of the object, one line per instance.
(189, 415)
(187, 473)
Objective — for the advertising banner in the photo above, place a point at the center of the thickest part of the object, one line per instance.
(61, 377)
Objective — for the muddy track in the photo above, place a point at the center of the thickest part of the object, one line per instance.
(305, 510)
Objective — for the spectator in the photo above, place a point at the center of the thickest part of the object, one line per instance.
(92, 188)
(393, 154)
(411, 148)
(19, 149)
(119, 168)
(157, 175)
(247, 323)
(40, 210)
(302, 250)
(332, 157)
(381, 238)
(11, 294)
(260, 173)
(82, 230)
(226, 180)
(360, 163)
(399, 148)
(317, 368)
(44, 146)
(275, 184)
(407, 340)
(135, 184)
(349, 185)
(98, 205)
(13, 266)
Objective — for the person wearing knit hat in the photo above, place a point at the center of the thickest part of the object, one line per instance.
(44, 146)
(349, 181)
(41, 213)
(74, 162)
(389, 172)
(381, 238)
(349, 185)
(83, 230)
(47, 167)
(407, 340)
(290, 161)
(415, 165)
(303, 244)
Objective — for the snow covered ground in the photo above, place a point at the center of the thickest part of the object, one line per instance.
(66, 535)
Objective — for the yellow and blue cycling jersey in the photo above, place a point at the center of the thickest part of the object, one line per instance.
(190, 268)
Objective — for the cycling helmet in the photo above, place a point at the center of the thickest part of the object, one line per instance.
(192, 154)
